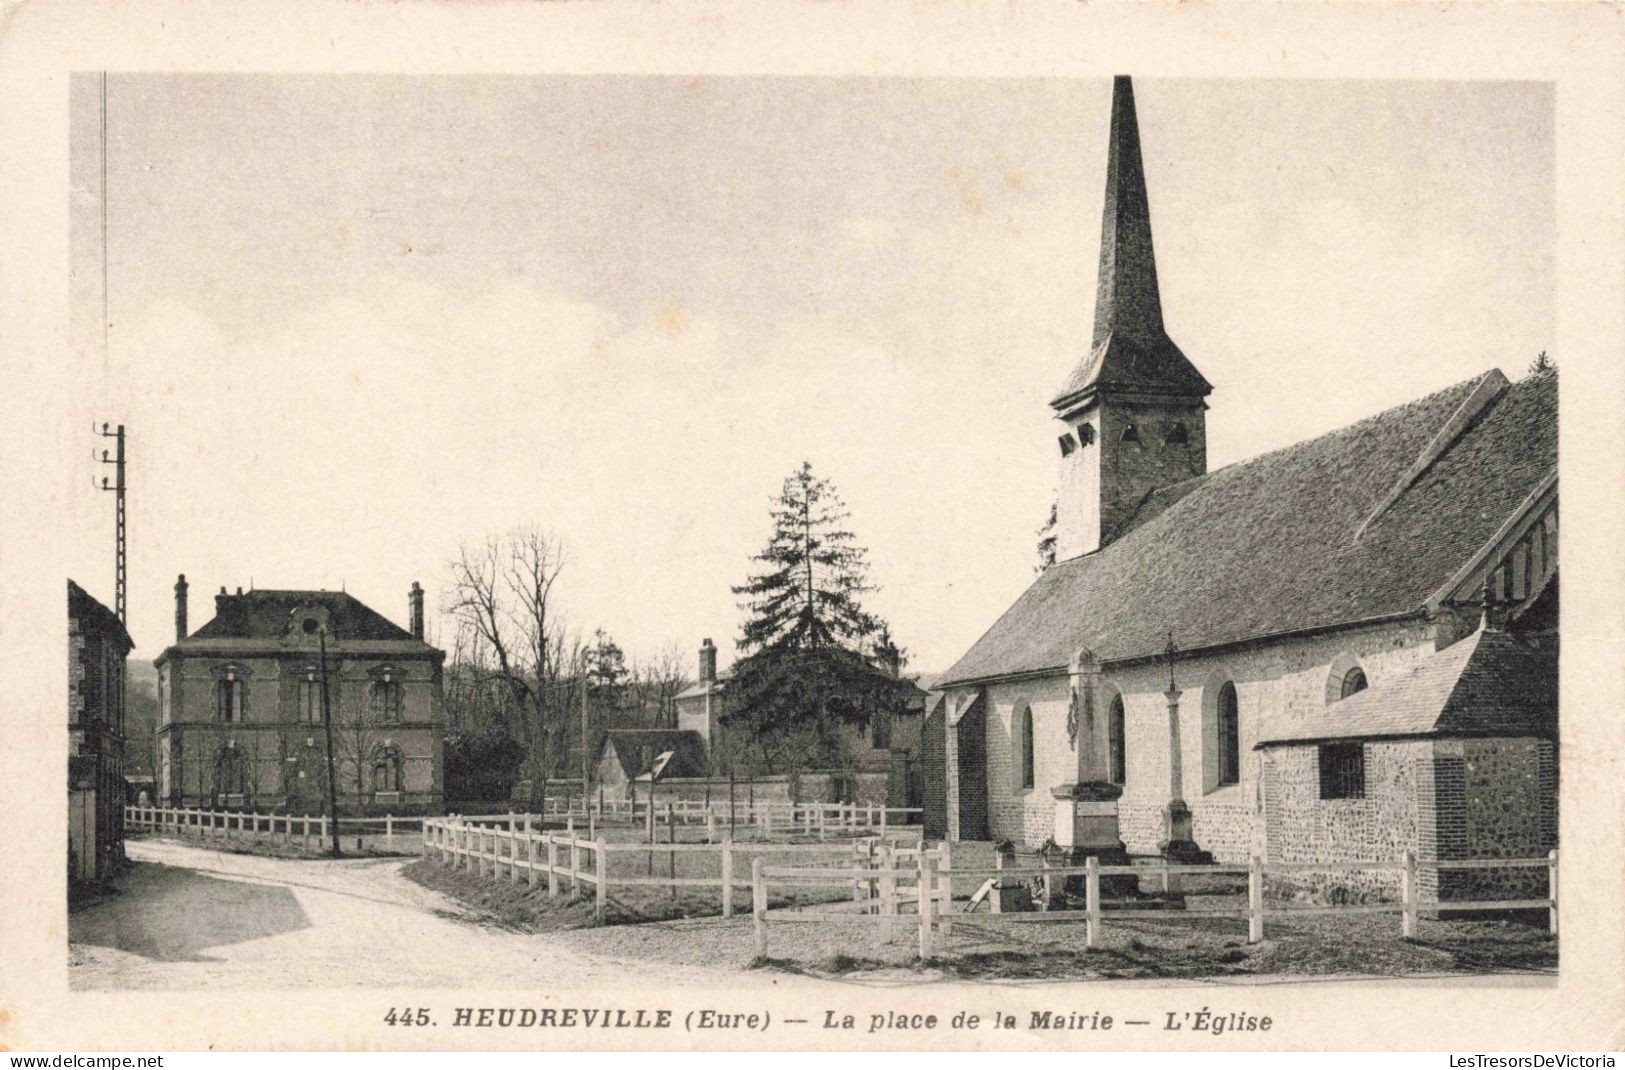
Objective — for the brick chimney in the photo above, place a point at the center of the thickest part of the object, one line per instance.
(180, 608)
(708, 662)
(220, 602)
(415, 598)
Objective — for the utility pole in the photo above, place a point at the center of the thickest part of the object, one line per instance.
(585, 760)
(117, 487)
(327, 723)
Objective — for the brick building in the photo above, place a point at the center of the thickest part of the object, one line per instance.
(1293, 656)
(98, 647)
(240, 712)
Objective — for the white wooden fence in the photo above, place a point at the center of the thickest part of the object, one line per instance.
(244, 824)
(933, 877)
(511, 849)
(806, 818)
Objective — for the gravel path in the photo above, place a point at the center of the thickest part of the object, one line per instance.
(192, 918)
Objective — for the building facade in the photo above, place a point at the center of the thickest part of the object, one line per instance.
(1177, 674)
(98, 647)
(243, 701)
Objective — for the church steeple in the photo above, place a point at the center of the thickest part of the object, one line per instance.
(1129, 348)
(1130, 417)
(1126, 299)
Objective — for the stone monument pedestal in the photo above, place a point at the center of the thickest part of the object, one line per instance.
(1085, 827)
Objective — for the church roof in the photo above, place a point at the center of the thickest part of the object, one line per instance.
(267, 614)
(1490, 683)
(1129, 350)
(1363, 523)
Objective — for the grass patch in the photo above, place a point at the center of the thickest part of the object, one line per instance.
(515, 907)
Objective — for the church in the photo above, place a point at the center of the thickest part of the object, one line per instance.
(1335, 652)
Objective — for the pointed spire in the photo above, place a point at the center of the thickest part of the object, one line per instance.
(1129, 348)
(1126, 300)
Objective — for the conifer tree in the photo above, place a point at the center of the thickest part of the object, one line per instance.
(810, 647)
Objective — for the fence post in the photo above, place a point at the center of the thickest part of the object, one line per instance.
(758, 905)
(304, 835)
(727, 876)
(324, 828)
(552, 866)
(928, 895)
(287, 828)
(1255, 900)
(710, 825)
(1551, 888)
(600, 859)
(882, 821)
(1049, 889)
(1407, 893)
(995, 901)
(513, 854)
(945, 883)
(389, 829)
(575, 863)
(888, 891)
(1091, 901)
(530, 855)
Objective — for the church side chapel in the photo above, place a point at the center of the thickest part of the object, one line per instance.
(1339, 651)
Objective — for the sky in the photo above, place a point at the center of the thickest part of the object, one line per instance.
(357, 321)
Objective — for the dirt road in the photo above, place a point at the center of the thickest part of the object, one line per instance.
(192, 918)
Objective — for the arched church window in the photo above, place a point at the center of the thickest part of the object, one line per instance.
(1229, 735)
(1179, 435)
(1344, 678)
(1117, 743)
(1024, 749)
(1131, 434)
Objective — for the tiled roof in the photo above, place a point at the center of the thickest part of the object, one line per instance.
(1269, 546)
(629, 745)
(1490, 683)
(266, 615)
(82, 606)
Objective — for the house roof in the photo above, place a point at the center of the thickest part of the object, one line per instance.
(1363, 523)
(83, 607)
(629, 745)
(265, 614)
(1492, 683)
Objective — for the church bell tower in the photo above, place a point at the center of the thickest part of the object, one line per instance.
(1130, 417)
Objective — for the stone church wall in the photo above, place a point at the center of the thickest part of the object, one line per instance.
(1277, 683)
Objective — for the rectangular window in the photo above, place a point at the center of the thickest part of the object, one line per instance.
(386, 699)
(882, 730)
(1342, 771)
(310, 701)
(231, 700)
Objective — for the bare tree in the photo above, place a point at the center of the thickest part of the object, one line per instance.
(502, 595)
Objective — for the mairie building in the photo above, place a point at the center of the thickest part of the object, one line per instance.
(241, 721)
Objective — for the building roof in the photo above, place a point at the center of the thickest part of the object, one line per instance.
(82, 606)
(1363, 523)
(630, 745)
(1492, 683)
(267, 614)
